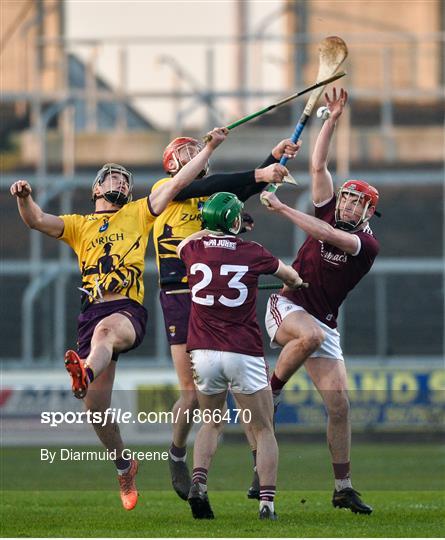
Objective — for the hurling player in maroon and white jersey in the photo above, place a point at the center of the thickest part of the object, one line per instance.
(225, 343)
(339, 250)
(181, 219)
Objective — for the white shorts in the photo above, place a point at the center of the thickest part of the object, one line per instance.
(278, 307)
(214, 371)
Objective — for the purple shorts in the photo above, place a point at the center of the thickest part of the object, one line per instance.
(87, 322)
(176, 310)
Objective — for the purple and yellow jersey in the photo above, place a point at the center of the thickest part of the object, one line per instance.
(110, 248)
(179, 220)
(182, 217)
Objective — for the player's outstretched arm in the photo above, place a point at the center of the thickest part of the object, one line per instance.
(242, 184)
(317, 228)
(32, 214)
(322, 186)
(160, 198)
(289, 276)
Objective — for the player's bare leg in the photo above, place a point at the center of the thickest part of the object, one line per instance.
(206, 440)
(330, 378)
(300, 336)
(206, 443)
(98, 399)
(183, 411)
(254, 489)
(112, 335)
(260, 405)
(188, 400)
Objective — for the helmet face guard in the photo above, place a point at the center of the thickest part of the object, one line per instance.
(116, 194)
(222, 213)
(363, 194)
(179, 152)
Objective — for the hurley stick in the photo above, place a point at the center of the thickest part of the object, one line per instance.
(332, 53)
(249, 117)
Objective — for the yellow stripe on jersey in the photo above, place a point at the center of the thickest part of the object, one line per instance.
(179, 220)
(110, 248)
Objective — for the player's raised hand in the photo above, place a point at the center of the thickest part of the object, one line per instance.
(336, 104)
(286, 148)
(270, 200)
(272, 174)
(216, 137)
(21, 189)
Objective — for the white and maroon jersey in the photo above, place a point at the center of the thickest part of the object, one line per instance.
(223, 276)
(330, 272)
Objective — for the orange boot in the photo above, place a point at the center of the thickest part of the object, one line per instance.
(129, 492)
(79, 379)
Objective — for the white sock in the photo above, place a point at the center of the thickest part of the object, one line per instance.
(269, 504)
(342, 483)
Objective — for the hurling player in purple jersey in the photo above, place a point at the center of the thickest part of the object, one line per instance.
(339, 250)
(110, 244)
(225, 343)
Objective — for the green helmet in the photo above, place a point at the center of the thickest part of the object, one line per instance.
(222, 212)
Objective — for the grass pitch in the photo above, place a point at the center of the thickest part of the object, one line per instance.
(403, 482)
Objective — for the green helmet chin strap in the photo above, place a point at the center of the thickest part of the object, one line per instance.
(222, 213)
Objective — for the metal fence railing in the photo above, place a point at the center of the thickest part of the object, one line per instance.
(55, 276)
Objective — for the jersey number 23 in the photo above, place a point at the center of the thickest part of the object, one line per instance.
(234, 283)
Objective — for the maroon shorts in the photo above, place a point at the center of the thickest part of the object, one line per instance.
(176, 310)
(91, 317)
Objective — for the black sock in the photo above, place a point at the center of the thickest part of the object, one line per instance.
(90, 374)
(122, 464)
(178, 452)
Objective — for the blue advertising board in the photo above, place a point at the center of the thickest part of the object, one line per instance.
(381, 398)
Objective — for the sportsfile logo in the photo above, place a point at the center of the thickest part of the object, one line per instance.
(118, 416)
